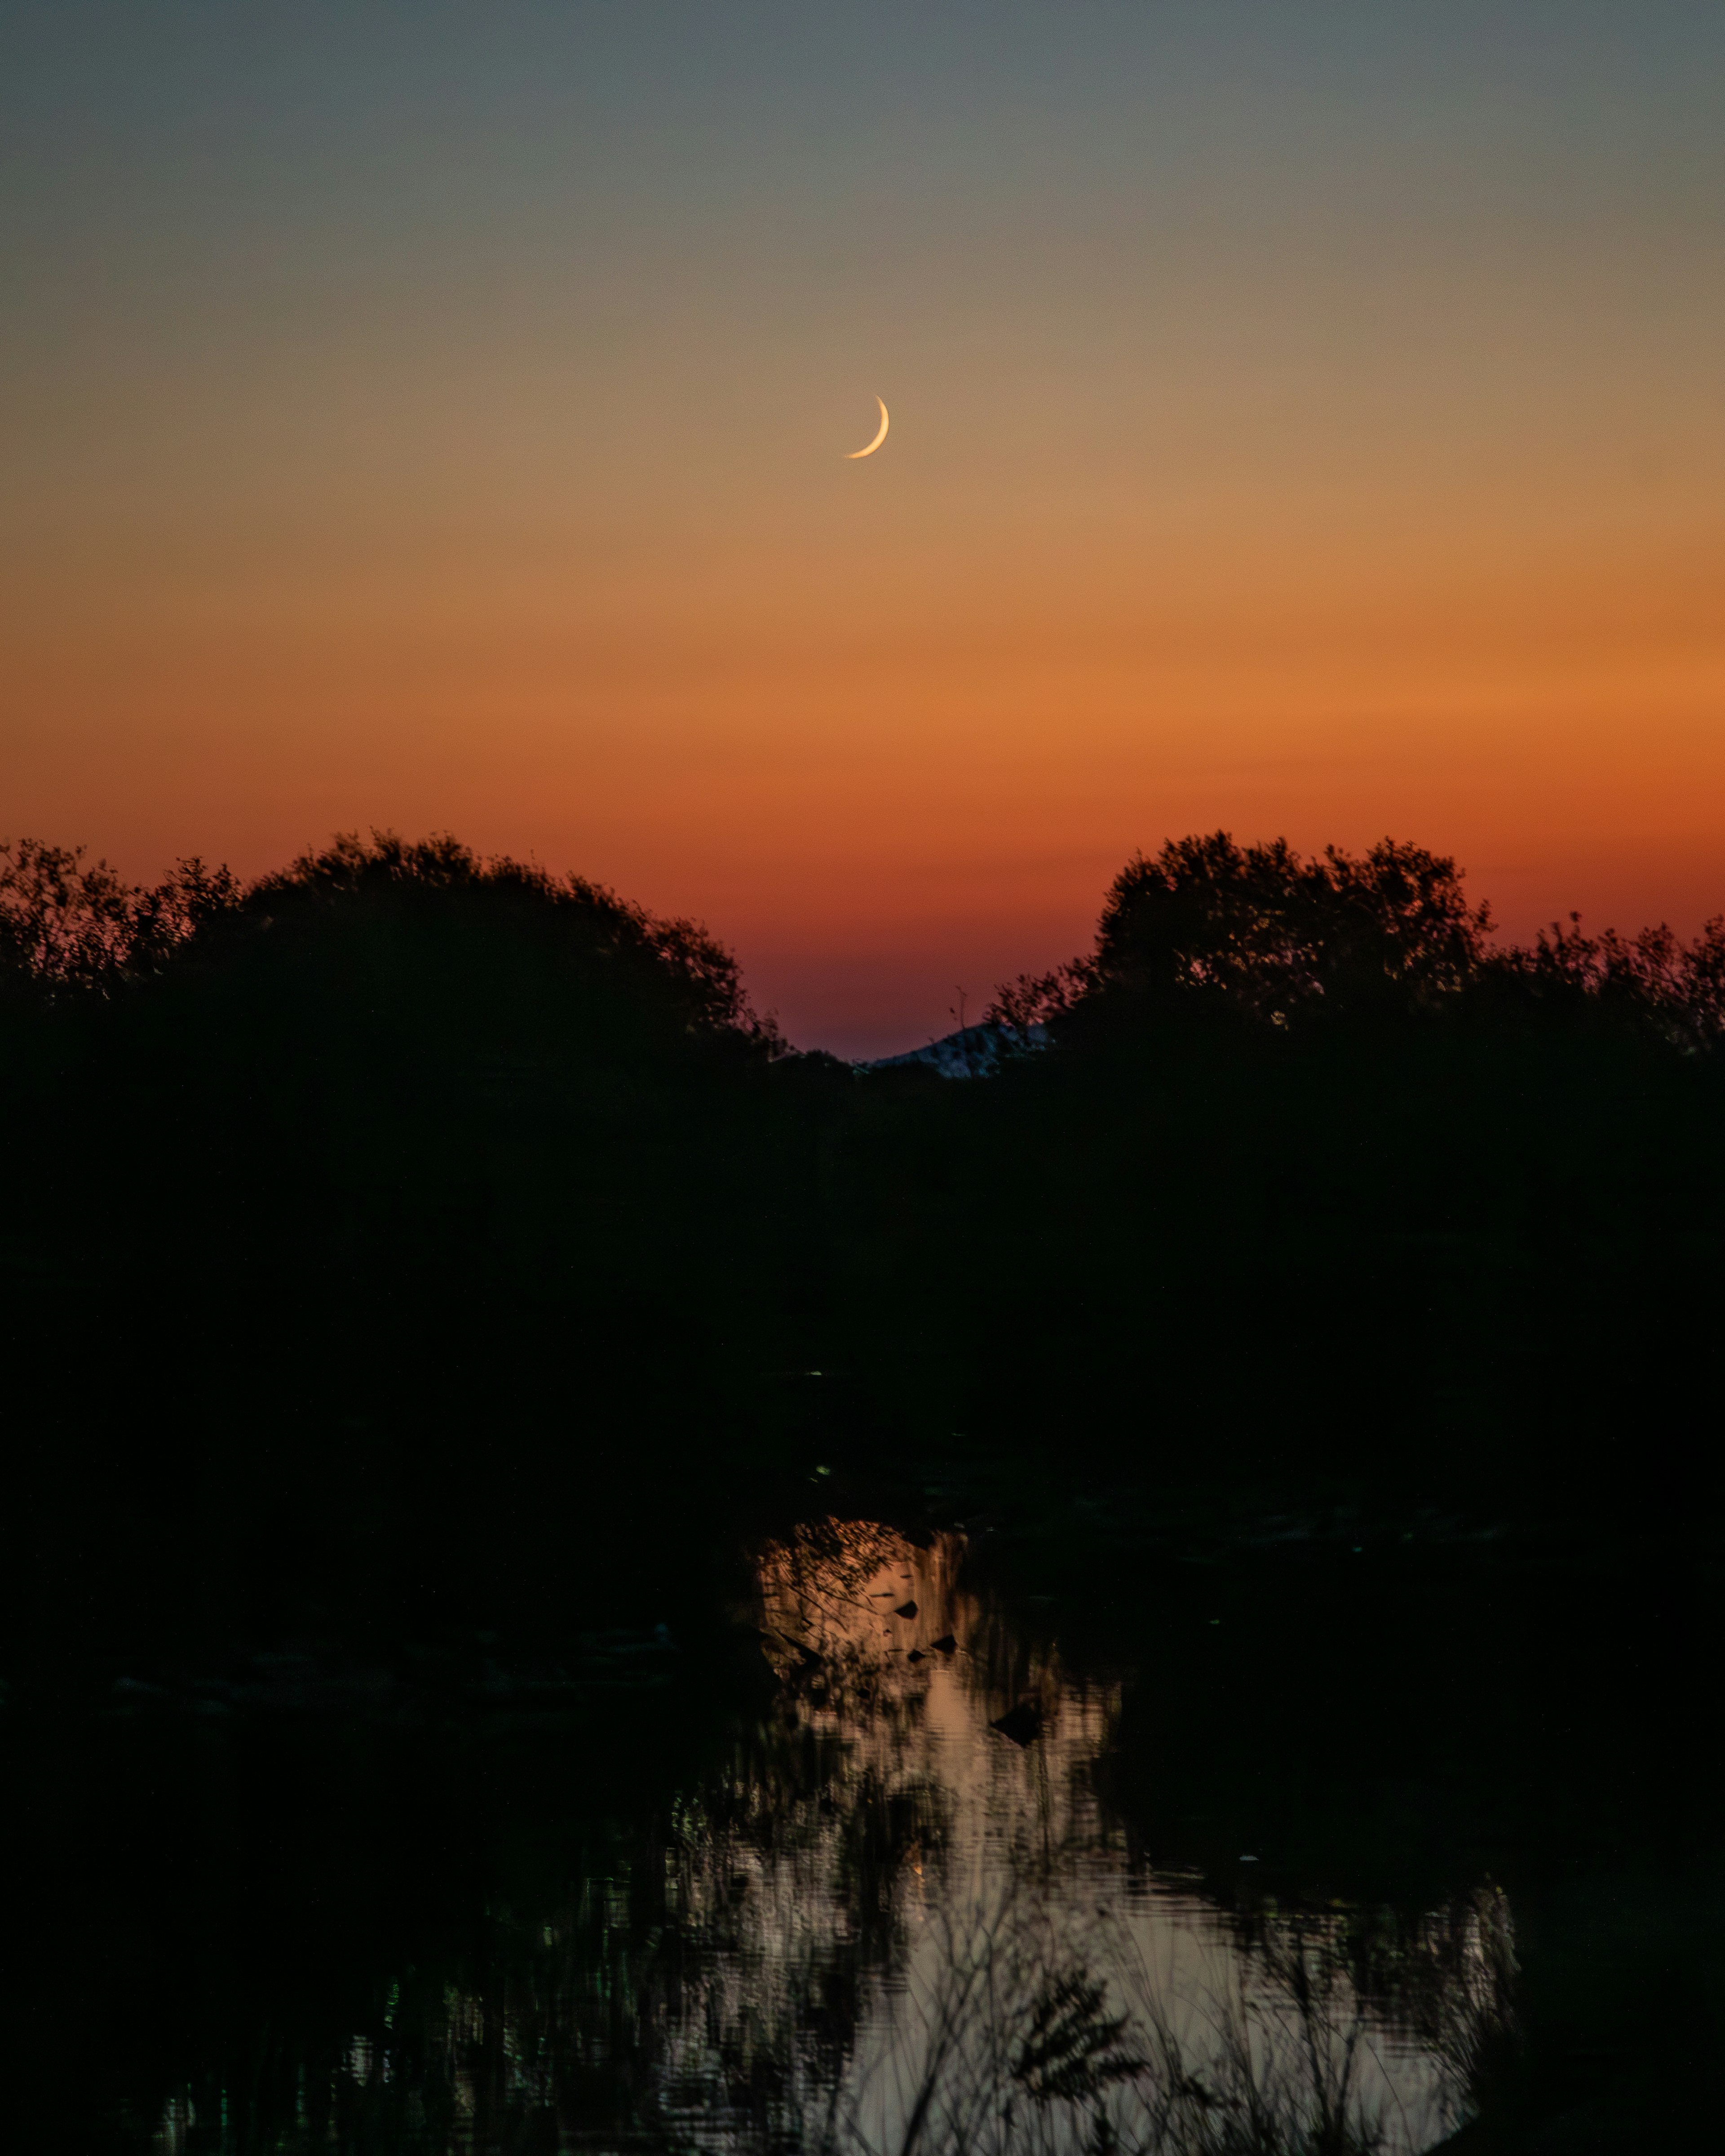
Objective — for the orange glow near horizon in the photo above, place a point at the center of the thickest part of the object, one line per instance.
(1329, 484)
(873, 825)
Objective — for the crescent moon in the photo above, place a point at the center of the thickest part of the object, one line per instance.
(851, 455)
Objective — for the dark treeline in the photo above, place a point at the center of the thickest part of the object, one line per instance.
(409, 1239)
(373, 1231)
(1321, 1181)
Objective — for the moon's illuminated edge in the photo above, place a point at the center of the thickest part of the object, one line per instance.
(853, 455)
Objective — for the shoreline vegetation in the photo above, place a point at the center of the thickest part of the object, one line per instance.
(370, 1221)
(426, 1281)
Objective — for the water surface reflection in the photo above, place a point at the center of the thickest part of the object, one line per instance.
(898, 1913)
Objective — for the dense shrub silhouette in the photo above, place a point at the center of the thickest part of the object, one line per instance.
(1320, 1182)
(412, 1259)
(65, 927)
(396, 1234)
(1263, 932)
(388, 1225)
(420, 918)
(1652, 983)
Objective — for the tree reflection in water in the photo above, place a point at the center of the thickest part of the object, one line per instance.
(887, 1926)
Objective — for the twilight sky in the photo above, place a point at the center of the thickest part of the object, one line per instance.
(1306, 418)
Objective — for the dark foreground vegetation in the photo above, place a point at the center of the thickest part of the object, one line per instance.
(383, 1235)
(419, 1275)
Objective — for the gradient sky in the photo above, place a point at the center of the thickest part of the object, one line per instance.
(1306, 418)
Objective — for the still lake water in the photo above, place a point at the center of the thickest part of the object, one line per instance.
(901, 1873)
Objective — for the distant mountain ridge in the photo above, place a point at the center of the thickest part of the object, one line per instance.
(974, 1051)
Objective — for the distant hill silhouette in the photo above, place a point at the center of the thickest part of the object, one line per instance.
(973, 1051)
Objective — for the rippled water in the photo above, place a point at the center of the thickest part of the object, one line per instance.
(977, 1761)
(896, 1910)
